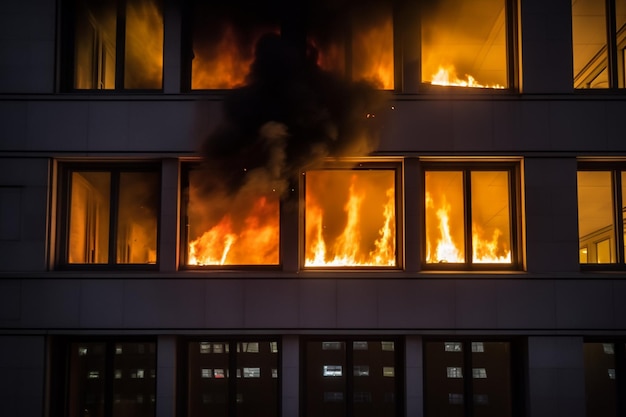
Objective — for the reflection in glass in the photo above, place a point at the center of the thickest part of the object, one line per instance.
(596, 228)
(600, 388)
(589, 43)
(464, 43)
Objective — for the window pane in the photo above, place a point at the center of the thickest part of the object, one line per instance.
(257, 389)
(134, 384)
(144, 44)
(600, 382)
(224, 38)
(325, 393)
(589, 44)
(595, 216)
(87, 379)
(88, 240)
(445, 224)
(374, 381)
(492, 380)
(620, 24)
(491, 222)
(137, 218)
(464, 43)
(207, 385)
(350, 218)
(231, 230)
(443, 383)
(94, 48)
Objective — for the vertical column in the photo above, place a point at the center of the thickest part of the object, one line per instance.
(172, 30)
(556, 376)
(290, 375)
(170, 218)
(412, 215)
(166, 376)
(414, 376)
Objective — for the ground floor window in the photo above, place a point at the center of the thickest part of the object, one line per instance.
(467, 378)
(230, 378)
(604, 368)
(351, 377)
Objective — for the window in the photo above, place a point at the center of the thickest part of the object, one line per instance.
(604, 366)
(106, 378)
(601, 208)
(224, 37)
(110, 215)
(599, 43)
(460, 380)
(350, 217)
(353, 378)
(113, 45)
(231, 379)
(471, 216)
(221, 229)
(465, 43)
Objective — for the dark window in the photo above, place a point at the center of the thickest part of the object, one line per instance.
(601, 218)
(231, 379)
(605, 367)
(105, 378)
(468, 378)
(471, 216)
(353, 378)
(599, 43)
(113, 45)
(110, 215)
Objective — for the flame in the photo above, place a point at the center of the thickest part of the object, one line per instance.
(144, 45)
(446, 75)
(373, 55)
(347, 249)
(446, 250)
(254, 243)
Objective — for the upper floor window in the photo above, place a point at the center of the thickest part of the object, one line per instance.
(113, 45)
(471, 216)
(601, 206)
(465, 43)
(109, 215)
(599, 43)
(351, 217)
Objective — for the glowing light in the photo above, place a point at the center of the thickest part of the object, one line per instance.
(446, 75)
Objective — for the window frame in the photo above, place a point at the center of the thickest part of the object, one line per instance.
(515, 215)
(618, 216)
(363, 164)
(63, 213)
(182, 379)
(60, 369)
(399, 370)
(67, 55)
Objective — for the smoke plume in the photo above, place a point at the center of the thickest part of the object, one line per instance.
(289, 116)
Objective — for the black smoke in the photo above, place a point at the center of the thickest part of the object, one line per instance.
(289, 116)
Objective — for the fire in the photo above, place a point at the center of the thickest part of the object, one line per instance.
(376, 47)
(446, 250)
(351, 244)
(144, 45)
(251, 240)
(446, 75)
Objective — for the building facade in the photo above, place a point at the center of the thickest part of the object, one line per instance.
(195, 223)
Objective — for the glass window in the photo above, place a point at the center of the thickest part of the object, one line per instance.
(112, 216)
(350, 218)
(115, 45)
(457, 380)
(469, 216)
(600, 219)
(240, 229)
(369, 390)
(599, 43)
(242, 383)
(600, 383)
(464, 43)
(111, 379)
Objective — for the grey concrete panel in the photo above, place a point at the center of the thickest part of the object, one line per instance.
(526, 304)
(49, 303)
(357, 303)
(271, 303)
(102, 303)
(318, 304)
(585, 304)
(224, 300)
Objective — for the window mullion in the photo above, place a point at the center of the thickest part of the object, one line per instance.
(468, 379)
(232, 378)
(109, 374)
(467, 197)
(120, 44)
(113, 216)
(611, 31)
(618, 217)
(349, 377)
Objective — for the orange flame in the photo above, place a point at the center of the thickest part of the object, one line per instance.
(255, 243)
(347, 249)
(447, 76)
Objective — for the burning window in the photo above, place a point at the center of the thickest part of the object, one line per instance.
(112, 216)
(117, 45)
(469, 216)
(598, 60)
(464, 43)
(600, 218)
(222, 229)
(352, 38)
(350, 218)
